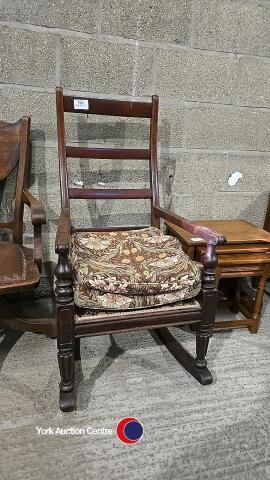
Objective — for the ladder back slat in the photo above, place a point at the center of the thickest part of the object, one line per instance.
(98, 106)
(108, 229)
(108, 153)
(87, 193)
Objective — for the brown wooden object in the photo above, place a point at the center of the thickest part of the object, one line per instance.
(20, 266)
(69, 328)
(246, 254)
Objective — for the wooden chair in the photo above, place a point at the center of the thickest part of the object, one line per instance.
(20, 266)
(73, 322)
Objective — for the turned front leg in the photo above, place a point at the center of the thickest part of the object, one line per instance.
(65, 331)
(209, 305)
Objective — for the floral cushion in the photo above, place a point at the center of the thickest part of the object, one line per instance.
(131, 269)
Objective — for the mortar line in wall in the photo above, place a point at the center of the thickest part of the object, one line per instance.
(217, 193)
(129, 41)
(185, 127)
(162, 149)
(250, 153)
(155, 71)
(235, 94)
(163, 100)
(32, 88)
(58, 60)
(99, 16)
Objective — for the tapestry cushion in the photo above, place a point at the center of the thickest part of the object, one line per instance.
(131, 269)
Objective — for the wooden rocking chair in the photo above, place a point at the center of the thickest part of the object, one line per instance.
(77, 319)
(20, 266)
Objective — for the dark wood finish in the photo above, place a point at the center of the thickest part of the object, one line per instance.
(116, 193)
(155, 220)
(10, 136)
(108, 229)
(14, 153)
(108, 153)
(119, 108)
(69, 328)
(266, 225)
(246, 254)
(140, 321)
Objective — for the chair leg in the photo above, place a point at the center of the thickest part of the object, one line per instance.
(258, 304)
(66, 367)
(77, 349)
(209, 306)
(65, 332)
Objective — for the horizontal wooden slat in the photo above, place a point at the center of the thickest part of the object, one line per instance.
(87, 193)
(107, 153)
(8, 225)
(108, 229)
(140, 321)
(120, 108)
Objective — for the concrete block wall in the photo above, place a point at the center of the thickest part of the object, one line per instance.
(208, 60)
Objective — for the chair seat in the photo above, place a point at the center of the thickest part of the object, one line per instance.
(93, 316)
(134, 269)
(16, 267)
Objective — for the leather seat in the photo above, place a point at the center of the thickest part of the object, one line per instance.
(15, 269)
(131, 270)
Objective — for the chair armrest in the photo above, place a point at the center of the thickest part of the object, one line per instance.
(211, 237)
(63, 232)
(38, 215)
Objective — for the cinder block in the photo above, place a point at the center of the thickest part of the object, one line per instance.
(162, 21)
(250, 207)
(109, 174)
(126, 131)
(38, 105)
(222, 206)
(27, 57)
(196, 77)
(110, 212)
(255, 173)
(233, 26)
(106, 67)
(193, 173)
(80, 15)
(229, 128)
(100, 129)
(253, 83)
(193, 208)
(171, 125)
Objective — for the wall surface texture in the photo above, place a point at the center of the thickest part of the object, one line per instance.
(208, 60)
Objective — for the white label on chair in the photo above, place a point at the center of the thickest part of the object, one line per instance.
(197, 239)
(81, 104)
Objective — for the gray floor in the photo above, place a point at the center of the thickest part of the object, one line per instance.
(221, 431)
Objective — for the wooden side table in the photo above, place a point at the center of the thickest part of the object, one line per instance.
(247, 254)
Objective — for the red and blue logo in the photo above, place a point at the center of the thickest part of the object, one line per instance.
(129, 430)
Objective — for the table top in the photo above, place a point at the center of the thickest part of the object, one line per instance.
(236, 232)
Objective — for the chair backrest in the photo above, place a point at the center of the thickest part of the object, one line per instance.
(14, 150)
(96, 106)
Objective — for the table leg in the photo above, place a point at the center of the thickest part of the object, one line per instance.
(258, 303)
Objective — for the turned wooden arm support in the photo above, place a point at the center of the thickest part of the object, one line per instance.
(63, 232)
(211, 237)
(38, 217)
